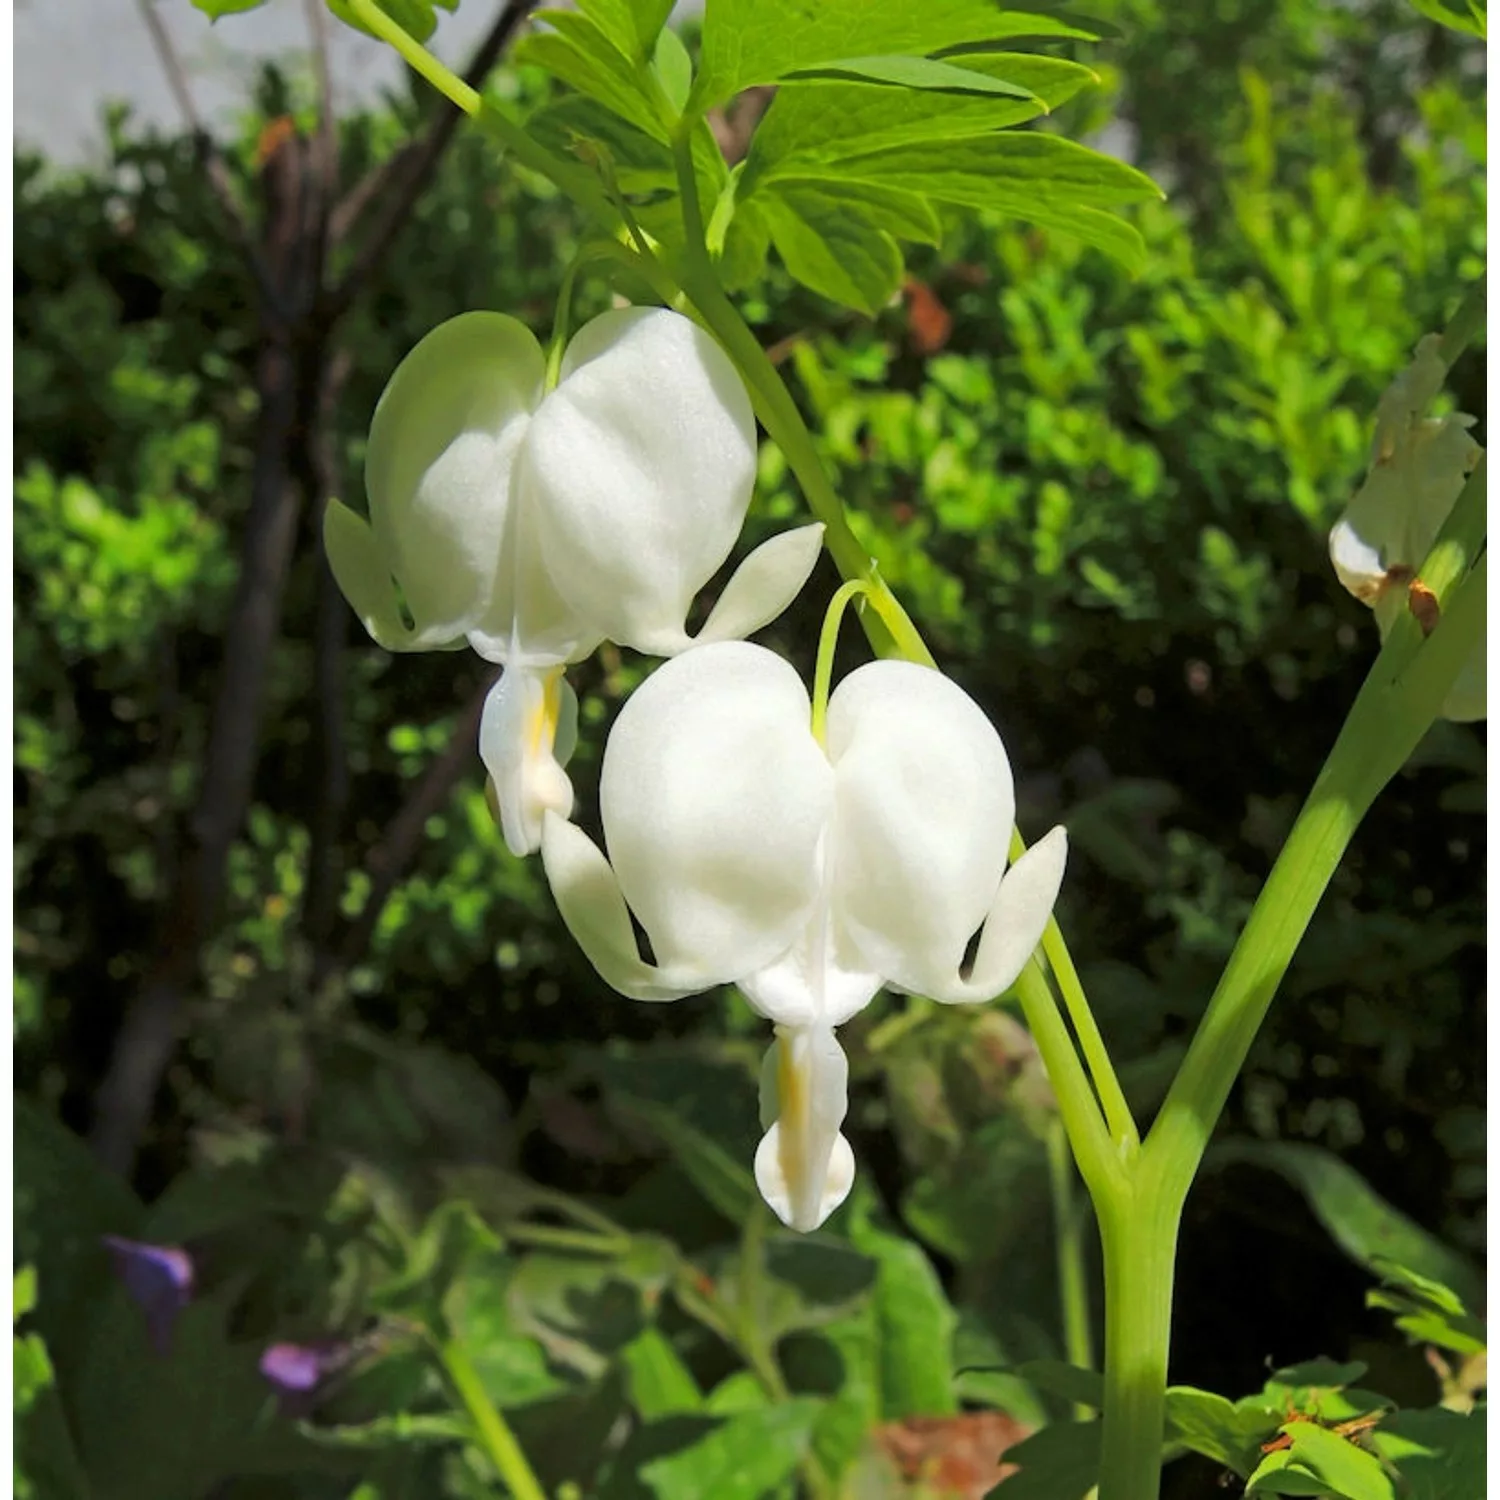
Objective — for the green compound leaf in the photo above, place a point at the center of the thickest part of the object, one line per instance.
(578, 53)
(742, 1459)
(673, 69)
(923, 73)
(1366, 1228)
(1321, 1462)
(1440, 1454)
(747, 42)
(724, 1181)
(827, 122)
(632, 26)
(1028, 175)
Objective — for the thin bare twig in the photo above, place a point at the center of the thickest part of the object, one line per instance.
(326, 142)
(398, 182)
(214, 168)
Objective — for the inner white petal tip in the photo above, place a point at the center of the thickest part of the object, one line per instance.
(803, 1206)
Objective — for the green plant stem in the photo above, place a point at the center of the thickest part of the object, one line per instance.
(828, 641)
(1072, 1275)
(1139, 1237)
(889, 628)
(1098, 1159)
(495, 1436)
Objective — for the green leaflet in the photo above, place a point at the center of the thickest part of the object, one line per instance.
(825, 122)
(632, 26)
(1318, 1462)
(914, 1325)
(576, 51)
(921, 73)
(743, 1458)
(760, 41)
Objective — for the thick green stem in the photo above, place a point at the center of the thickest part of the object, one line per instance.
(1138, 1231)
(1072, 1270)
(494, 1433)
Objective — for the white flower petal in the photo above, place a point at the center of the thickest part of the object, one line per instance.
(518, 734)
(804, 1167)
(443, 443)
(763, 585)
(713, 795)
(641, 461)
(923, 811)
(364, 576)
(817, 980)
(588, 896)
(1014, 927)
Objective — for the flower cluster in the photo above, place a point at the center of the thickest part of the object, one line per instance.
(1418, 466)
(808, 858)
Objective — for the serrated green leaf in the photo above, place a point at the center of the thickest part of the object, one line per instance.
(1365, 1227)
(926, 74)
(832, 249)
(997, 171)
(747, 42)
(746, 246)
(1337, 1465)
(576, 51)
(1440, 1454)
(914, 1324)
(744, 1458)
(631, 25)
(1061, 1462)
(827, 122)
(213, 9)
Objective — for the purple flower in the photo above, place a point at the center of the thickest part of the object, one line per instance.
(298, 1370)
(159, 1279)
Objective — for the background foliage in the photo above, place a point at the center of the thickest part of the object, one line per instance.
(1105, 499)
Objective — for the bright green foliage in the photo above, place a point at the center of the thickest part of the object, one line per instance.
(417, 18)
(1103, 498)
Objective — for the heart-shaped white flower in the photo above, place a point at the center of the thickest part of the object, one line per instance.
(535, 524)
(807, 874)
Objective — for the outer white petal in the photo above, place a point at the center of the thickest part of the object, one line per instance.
(443, 444)
(588, 896)
(924, 807)
(642, 461)
(763, 585)
(518, 742)
(1014, 926)
(364, 576)
(804, 1167)
(714, 794)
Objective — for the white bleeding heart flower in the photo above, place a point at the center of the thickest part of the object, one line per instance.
(1418, 467)
(535, 524)
(808, 874)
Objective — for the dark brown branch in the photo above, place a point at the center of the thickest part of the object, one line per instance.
(399, 181)
(325, 148)
(387, 862)
(215, 171)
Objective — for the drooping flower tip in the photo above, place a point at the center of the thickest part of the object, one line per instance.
(158, 1279)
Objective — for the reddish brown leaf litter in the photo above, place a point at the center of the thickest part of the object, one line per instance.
(952, 1458)
(928, 322)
